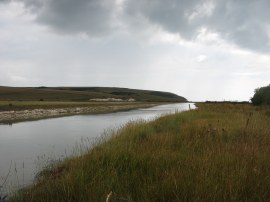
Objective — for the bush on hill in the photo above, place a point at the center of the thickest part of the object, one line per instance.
(261, 96)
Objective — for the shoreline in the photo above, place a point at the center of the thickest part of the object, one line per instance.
(167, 159)
(15, 116)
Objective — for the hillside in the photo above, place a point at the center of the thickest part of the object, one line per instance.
(84, 94)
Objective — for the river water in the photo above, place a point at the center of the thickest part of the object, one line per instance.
(27, 147)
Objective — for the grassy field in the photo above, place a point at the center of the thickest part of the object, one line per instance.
(219, 152)
(84, 94)
(27, 105)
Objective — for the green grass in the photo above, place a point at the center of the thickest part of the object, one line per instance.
(43, 104)
(83, 94)
(23, 105)
(219, 152)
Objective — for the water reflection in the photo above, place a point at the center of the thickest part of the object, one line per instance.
(28, 146)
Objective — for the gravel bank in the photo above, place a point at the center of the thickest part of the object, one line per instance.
(24, 115)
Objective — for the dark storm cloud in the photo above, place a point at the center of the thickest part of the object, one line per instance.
(171, 15)
(94, 17)
(242, 22)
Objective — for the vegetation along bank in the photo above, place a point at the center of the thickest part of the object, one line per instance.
(218, 152)
(23, 111)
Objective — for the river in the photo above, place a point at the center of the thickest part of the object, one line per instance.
(27, 147)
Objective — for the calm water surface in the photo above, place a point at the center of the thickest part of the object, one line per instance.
(27, 147)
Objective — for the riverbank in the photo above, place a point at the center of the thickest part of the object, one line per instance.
(218, 152)
(18, 111)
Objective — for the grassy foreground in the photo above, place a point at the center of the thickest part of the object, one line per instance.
(219, 152)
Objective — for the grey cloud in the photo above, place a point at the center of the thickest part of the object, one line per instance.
(94, 17)
(33, 5)
(242, 22)
(171, 15)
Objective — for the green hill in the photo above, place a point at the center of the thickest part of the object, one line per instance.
(81, 94)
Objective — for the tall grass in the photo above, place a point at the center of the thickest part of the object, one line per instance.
(219, 152)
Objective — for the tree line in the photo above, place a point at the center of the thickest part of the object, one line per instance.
(261, 96)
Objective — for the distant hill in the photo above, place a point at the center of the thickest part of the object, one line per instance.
(261, 96)
(84, 94)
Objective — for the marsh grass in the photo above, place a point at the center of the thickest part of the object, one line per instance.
(219, 152)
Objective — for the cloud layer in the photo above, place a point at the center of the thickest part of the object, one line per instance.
(245, 23)
(200, 49)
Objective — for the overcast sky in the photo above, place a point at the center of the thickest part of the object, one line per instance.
(199, 49)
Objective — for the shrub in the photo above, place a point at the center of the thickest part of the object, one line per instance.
(261, 96)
